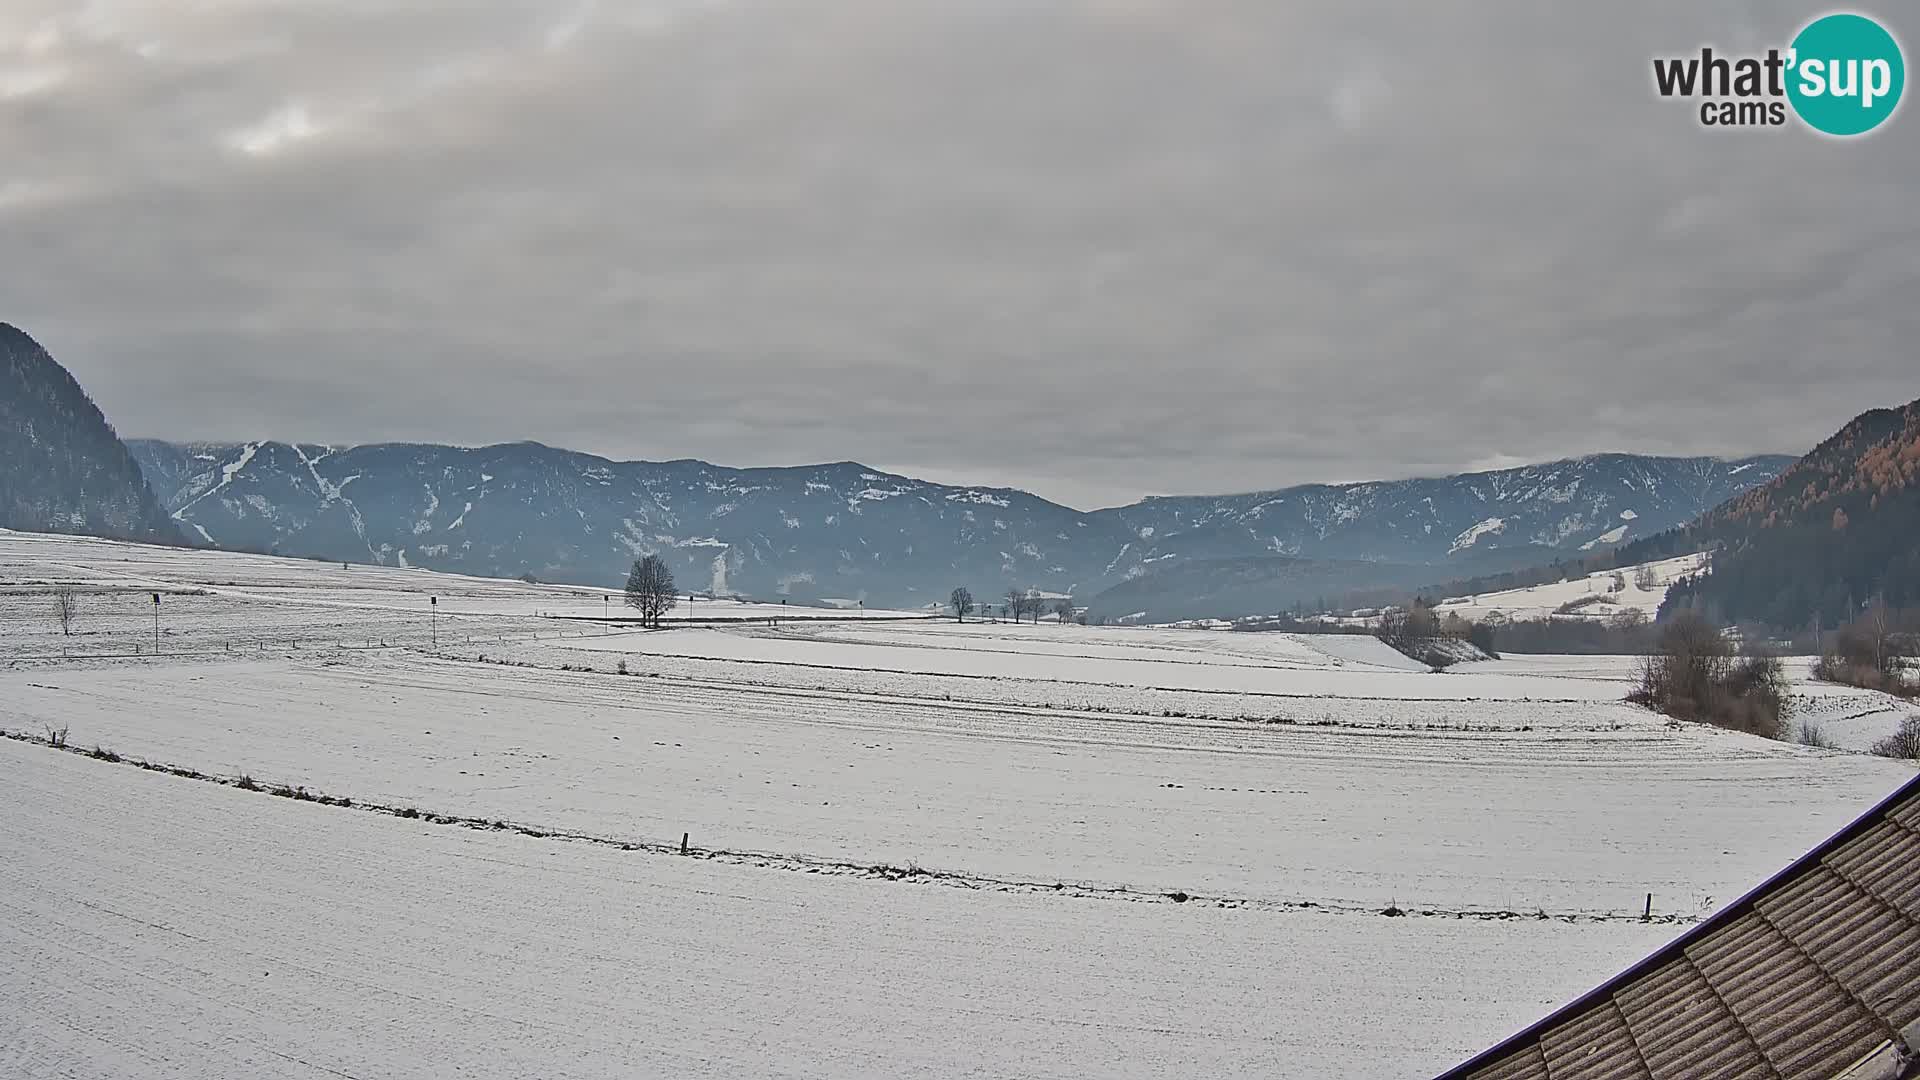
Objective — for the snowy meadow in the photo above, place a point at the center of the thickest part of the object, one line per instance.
(364, 821)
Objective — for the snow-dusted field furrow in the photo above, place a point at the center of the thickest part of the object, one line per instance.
(1293, 699)
(162, 928)
(1518, 821)
(820, 648)
(1168, 646)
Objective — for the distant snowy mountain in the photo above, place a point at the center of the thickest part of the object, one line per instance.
(1580, 504)
(840, 531)
(846, 531)
(1320, 540)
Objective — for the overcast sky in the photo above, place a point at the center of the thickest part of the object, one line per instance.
(1092, 248)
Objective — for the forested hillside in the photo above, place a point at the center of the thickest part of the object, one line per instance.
(62, 468)
(1838, 529)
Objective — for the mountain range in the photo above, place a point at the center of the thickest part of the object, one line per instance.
(818, 533)
(845, 531)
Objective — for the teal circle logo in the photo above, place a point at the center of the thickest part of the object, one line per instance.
(1845, 74)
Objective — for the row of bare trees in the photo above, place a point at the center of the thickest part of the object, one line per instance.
(1019, 604)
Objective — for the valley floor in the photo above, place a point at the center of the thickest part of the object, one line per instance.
(912, 848)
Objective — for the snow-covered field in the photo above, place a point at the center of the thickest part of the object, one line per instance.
(1850, 717)
(156, 927)
(1297, 665)
(1268, 813)
(219, 601)
(914, 847)
(1593, 594)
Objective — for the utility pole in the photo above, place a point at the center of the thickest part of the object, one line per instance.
(433, 620)
(156, 624)
(606, 614)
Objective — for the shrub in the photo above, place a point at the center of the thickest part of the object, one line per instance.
(1694, 676)
(56, 737)
(1872, 652)
(1811, 735)
(1904, 743)
(1838, 667)
(1579, 604)
(103, 754)
(1757, 698)
(245, 783)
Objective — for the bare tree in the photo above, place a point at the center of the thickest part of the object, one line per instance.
(1645, 579)
(1903, 743)
(65, 605)
(1016, 604)
(1872, 651)
(1685, 676)
(650, 589)
(1877, 623)
(1392, 628)
(1063, 610)
(962, 603)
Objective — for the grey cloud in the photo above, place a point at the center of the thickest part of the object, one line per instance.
(1091, 248)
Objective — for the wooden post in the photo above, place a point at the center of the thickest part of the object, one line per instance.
(1648, 917)
(683, 843)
